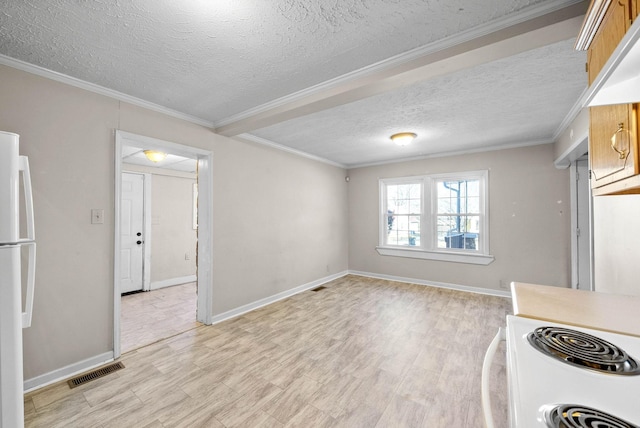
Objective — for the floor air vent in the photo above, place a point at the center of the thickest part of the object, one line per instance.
(322, 287)
(88, 377)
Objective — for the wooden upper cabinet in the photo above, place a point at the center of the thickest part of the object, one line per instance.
(612, 29)
(613, 131)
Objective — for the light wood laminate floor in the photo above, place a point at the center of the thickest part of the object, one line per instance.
(154, 315)
(360, 353)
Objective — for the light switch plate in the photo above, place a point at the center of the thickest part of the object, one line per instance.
(97, 216)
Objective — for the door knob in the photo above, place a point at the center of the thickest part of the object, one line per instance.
(139, 234)
(138, 242)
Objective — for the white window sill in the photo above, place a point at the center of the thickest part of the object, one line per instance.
(444, 256)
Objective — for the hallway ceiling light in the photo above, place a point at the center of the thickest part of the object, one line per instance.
(154, 155)
(403, 138)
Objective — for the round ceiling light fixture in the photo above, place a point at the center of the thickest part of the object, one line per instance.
(154, 155)
(403, 138)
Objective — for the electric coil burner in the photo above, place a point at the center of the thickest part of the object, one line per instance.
(563, 376)
(583, 350)
(574, 416)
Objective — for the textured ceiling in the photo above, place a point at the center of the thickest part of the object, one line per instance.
(516, 100)
(217, 60)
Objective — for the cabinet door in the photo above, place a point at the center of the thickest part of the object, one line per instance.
(612, 29)
(608, 166)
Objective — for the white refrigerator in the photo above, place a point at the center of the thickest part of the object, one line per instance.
(15, 312)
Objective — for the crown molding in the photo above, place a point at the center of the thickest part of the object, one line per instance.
(411, 55)
(455, 153)
(573, 113)
(91, 87)
(592, 20)
(269, 143)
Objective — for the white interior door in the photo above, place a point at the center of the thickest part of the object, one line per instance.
(131, 232)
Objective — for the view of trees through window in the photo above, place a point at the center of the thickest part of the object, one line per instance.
(404, 211)
(458, 213)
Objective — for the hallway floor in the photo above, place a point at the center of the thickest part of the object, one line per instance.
(154, 315)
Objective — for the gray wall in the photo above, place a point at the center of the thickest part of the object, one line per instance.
(172, 233)
(529, 220)
(280, 221)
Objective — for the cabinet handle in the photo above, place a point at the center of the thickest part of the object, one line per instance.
(618, 136)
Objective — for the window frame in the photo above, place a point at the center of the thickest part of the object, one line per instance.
(428, 248)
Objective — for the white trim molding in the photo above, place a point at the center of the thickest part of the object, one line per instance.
(477, 290)
(97, 89)
(414, 253)
(274, 298)
(259, 140)
(67, 371)
(155, 285)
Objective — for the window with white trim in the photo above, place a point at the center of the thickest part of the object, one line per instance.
(441, 217)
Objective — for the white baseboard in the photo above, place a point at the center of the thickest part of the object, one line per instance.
(272, 299)
(172, 281)
(67, 372)
(478, 290)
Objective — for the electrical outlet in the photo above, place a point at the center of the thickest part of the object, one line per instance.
(187, 256)
(97, 216)
(504, 284)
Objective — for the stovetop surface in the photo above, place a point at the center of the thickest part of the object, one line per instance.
(538, 381)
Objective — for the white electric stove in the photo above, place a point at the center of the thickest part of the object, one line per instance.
(545, 389)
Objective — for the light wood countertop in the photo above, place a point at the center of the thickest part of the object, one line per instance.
(609, 312)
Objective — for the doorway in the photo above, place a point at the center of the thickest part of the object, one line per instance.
(581, 244)
(125, 228)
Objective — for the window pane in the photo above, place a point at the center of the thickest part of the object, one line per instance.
(415, 191)
(458, 232)
(403, 230)
(402, 222)
(458, 197)
(404, 198)
(473, 205)
(414, 230)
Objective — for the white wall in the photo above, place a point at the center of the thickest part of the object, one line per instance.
(173, 238)
(573, 143)
(529, 220)
(280, 221)
(616, 241)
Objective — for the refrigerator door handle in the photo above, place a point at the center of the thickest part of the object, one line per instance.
(28, 196)
(31, 284)
(23, 166)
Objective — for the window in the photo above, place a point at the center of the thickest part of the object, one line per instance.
(457, 213)
(404, 213)
(440, 217)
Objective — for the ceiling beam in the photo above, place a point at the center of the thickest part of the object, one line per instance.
(548, 28)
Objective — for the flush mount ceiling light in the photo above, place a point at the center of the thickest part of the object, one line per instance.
(154, 155)
(403, 138)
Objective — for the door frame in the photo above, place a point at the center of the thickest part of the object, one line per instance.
(205, 223)
(574, 226)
